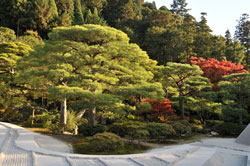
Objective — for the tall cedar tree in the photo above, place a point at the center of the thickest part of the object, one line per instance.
(242, 34)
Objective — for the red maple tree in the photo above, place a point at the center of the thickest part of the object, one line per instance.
(215, 69)
(161, 109)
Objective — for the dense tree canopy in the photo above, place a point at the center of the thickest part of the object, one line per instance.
(122, 60)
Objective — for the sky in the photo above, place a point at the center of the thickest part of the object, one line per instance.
(221, 14)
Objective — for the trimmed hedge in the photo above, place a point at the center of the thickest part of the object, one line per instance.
(160, 130)
(230, 129)
(105, 142)
(91, 130)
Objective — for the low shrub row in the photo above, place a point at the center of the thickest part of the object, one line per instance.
(138, 130)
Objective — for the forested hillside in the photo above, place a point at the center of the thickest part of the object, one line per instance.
(117, 61)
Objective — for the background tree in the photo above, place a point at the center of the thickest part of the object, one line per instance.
(65, 10)
(203, 37)
(78, 15)
(242, 34)
(235, 92)
(179, 7)
(215, 69)
(234, 51)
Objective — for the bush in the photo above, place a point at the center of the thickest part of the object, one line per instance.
(213, 123)
(196, 127)
(160, 130)
(71, 121)
(50, 121)
(91, 130)
(105, 142)
(181, 127)
(230, 129)
(129, 128)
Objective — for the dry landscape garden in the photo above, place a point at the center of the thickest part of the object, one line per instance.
(121, 76)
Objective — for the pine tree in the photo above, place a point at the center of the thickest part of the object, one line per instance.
(179, 7)
(242, 34)
(65, 10)
(184, 81)
(78, 15)
(53, 9)
(83, 63)
(236, 92)
(203, 42)
(234, 51)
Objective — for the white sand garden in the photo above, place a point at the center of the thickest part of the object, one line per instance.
(20, 147)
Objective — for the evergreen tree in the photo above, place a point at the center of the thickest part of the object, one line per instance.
(184, 82)
(203, 38)
(242, 34)
(236, 92)
(94, 18)
(86, 62)
(7, 35)
(65, 10)
(53, 9)
(179, 7)
(78, 15)
(234, 51)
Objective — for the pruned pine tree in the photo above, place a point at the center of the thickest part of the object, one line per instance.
(184, 81)
(85, 63)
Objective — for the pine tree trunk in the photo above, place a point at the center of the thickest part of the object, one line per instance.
(80, 114)
(181, 102)
(91, 118)
(63, 112)
(33, 117)
(241, 118)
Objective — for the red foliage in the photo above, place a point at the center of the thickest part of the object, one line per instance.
(160, 109)
(215, 70)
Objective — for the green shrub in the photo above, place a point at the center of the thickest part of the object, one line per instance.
(181, 127)
(213, 123)
(230, 129)
(71, 121)
(196, 127)
(128, 128)
(50, 121)
(91, 130)
(105, 142)
(160, 130)
(195, 121)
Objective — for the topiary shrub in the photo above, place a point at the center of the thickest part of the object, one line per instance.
(181, 127)
(50, 121)
(91, 130)
(196, 127)
(230, 129)
(129, 128)
(160, 130)
(105, 142)
(213, 123)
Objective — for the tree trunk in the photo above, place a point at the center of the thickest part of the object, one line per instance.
(241, 114)
(33, 117)
(80, 114)
(241, 118)
(181, 102)
(103, 121)
(91, 118)
(63, 112)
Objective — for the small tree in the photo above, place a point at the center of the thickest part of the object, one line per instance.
(185, 80)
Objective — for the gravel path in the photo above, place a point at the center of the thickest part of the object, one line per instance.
(20, 147)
